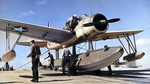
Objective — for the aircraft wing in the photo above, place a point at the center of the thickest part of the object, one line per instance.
(36, 31)
(116, 34)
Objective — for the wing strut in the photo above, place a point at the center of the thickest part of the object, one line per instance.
(134, 42)
(130, 44)
(82, 48)
(7, 38)
(122, 45)
(20, 34)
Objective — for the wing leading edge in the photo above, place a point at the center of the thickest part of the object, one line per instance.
(116, 34)
(38, 31)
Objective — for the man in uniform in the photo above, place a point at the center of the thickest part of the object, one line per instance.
(72, 22)
(66, 59)
(35, 53)
(51, 60)
(109, 66)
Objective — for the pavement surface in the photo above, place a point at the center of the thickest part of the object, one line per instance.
(139, 76)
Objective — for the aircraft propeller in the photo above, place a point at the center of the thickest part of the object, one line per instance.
(101, 22)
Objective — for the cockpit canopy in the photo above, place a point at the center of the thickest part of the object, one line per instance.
(83, 16)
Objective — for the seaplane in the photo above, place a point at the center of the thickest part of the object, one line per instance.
(89, 29)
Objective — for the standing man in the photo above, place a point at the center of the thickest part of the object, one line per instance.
(72, 22)
(66, 59)
(7, 66)
(35, 53)
(51, 60)
(109, 66)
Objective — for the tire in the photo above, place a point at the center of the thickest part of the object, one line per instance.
(55, 69)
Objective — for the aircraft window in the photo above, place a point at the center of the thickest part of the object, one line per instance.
(83, 16)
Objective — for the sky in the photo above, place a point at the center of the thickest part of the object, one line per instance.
(134, 15)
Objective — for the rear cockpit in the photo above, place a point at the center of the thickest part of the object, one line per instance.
(83, 16)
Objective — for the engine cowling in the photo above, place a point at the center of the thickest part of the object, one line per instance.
(89, 32)
(102, 27)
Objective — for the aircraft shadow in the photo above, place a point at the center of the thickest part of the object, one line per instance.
(54, 80)
(119, 73)
(126, 73)
(54, 74)
(26, 76)
(136, 76)
(11, 82)
(57, 74)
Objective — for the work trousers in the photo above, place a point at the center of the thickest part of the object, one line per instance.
(52, 64)
(64, 62)
(35, 62)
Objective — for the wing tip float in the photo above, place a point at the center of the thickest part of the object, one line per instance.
(8, 55)
(134, 56)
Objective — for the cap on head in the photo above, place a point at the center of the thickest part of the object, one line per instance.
(33, 41)
(105, 46)
(48, 52)
(74, 15)
(64, 46)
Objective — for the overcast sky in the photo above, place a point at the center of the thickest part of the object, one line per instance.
(134, 15)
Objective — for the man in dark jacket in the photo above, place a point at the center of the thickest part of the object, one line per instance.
(66, 59)
(51, 60)
(35, 53)
(72, 22)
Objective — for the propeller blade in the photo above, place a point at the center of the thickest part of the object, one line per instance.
(113, 20)
(91, 24)
(101, 22)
